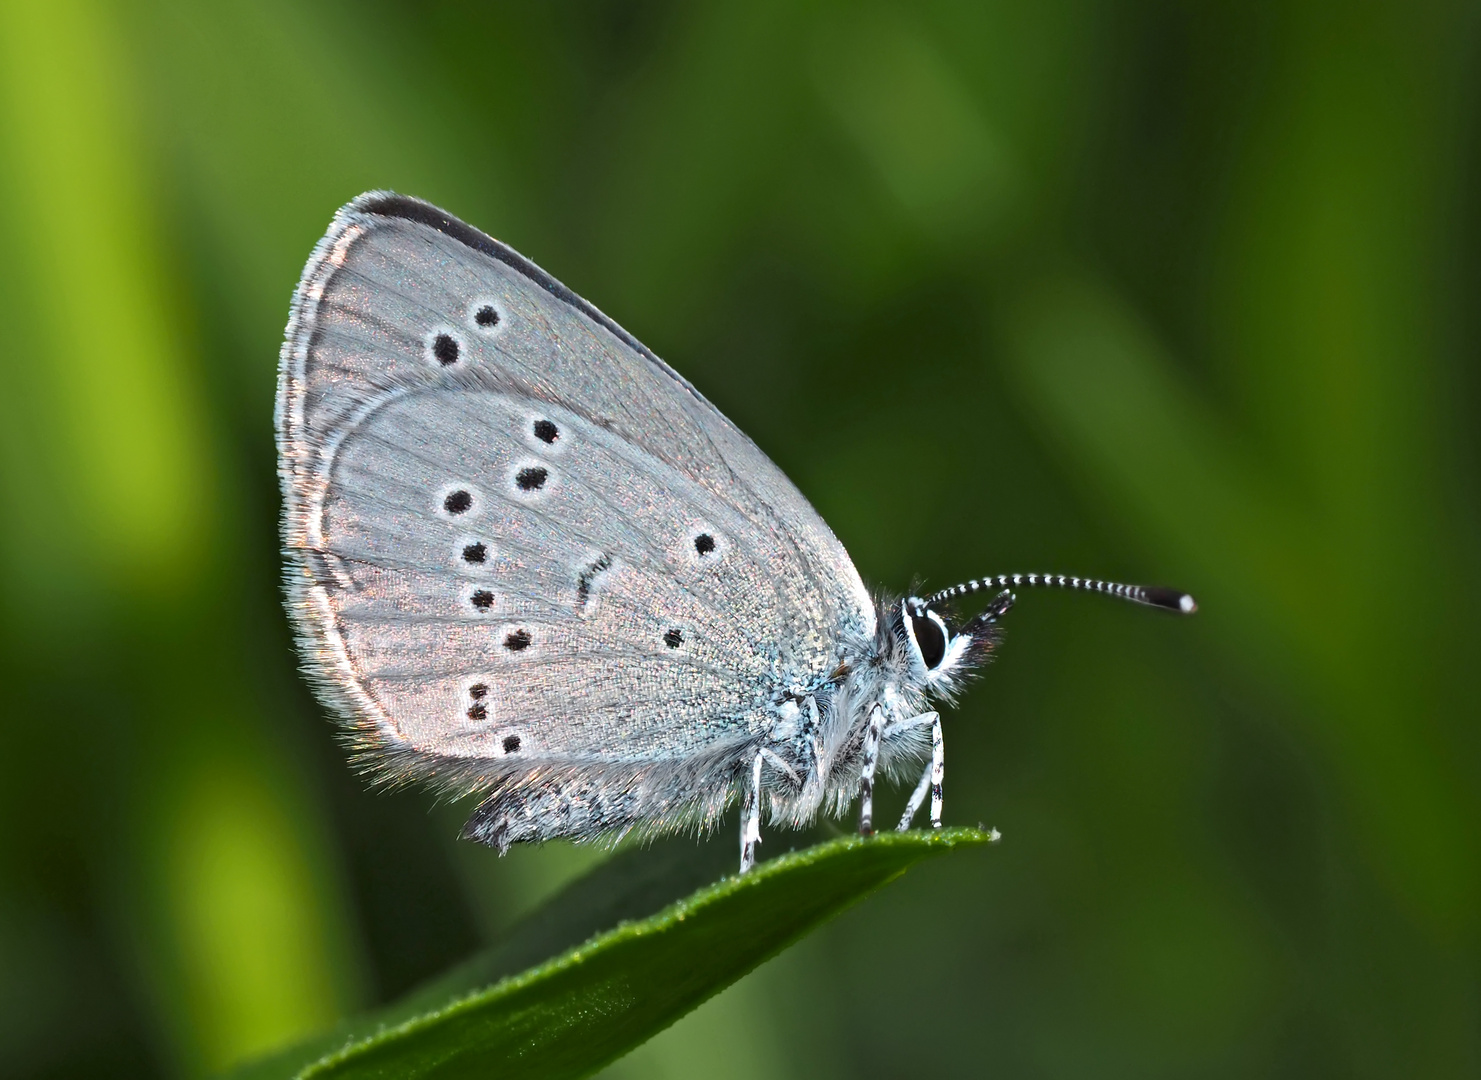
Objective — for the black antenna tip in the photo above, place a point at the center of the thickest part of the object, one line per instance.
(1170, 599)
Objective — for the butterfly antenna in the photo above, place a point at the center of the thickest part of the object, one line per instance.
(1151, 595)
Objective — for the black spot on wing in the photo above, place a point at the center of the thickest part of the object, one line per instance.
(386, 204)
(445, 350)
(532, 478)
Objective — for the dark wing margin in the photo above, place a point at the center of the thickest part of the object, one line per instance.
(391, 205)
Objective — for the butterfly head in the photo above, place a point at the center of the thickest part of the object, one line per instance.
(940, 651)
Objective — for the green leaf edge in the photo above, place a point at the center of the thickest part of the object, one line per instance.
(930, 843)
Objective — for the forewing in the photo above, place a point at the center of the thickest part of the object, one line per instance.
(514, 534)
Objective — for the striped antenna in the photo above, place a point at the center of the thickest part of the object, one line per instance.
(1151, 595)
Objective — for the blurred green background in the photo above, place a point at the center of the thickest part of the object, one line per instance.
(1144, 289)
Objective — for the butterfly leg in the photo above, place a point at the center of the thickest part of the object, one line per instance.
(917, 797)
(866, 775)
(930, 778)
(751, 816)
(781, 766)
(938, 772)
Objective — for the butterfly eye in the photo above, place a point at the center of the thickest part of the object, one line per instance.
(930, 637)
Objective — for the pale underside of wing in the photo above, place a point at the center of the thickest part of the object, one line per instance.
(516, 538)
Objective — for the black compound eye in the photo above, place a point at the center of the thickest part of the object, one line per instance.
(931, 639)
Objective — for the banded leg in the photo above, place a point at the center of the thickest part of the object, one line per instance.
(866, 775)
(917, 797)
(938, 772)
(751, 817)
(930, 775)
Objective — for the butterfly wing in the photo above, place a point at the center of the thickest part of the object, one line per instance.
(517, 540)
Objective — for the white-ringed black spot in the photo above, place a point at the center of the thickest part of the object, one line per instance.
(478, 711)
(673, 638)
(517, 640)
(511, 744)
(487, 317)
(482, 599)
(445, 349)
(532, 478)
(704, 543)
(546, 431)
(477, 552)
(458, 502)
(478, 691)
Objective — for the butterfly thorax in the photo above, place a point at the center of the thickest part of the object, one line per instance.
(817, 735)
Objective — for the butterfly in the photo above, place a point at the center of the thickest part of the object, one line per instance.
(527, 559)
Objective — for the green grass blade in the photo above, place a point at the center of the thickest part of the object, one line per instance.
(591, 998)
